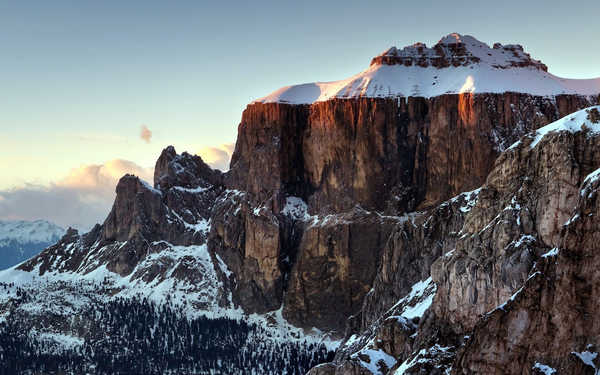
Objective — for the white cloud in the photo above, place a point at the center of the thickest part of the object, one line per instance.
(85, 195)
(217, 157)
(103, 177)
(81, 199)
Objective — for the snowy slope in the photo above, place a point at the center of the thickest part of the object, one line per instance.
(25, 232)
(576, 122)
(21, 240)
(481, 69)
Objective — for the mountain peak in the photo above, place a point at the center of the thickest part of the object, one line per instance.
(453, 62)
(455, 50)
(456, 38)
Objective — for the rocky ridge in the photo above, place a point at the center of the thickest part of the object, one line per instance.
(493, 309)
(459, 50)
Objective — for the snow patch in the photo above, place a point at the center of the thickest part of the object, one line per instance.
(150, 187)
(195, 190)
(573, 123)
(421, 295)
(296, 209)
(525, 239)
(587, 189)
(421, 357)
(551, 253)
(57, 342)
(592, 177)
(371, 359)
(546, 370)
(587, 358)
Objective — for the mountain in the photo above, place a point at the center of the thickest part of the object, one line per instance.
(456, 64)
(411, 232)
(513, 286)
(21, 240)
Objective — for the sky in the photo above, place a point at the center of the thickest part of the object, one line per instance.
(90, 90)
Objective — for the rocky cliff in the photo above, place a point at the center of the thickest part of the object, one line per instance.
(505, 301)
(354, 166)
(418, 226)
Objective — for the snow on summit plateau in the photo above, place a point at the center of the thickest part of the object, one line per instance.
(456, 64)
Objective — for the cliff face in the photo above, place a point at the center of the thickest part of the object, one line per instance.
(548, 320)
(551, 320)
(394, 154)
(356, 166)
(513, 289)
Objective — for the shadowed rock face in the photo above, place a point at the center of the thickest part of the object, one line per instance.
(353, 160)
(335, 265)
(518, 282)
(395, 154)
(185, 170)
(143, 219)
(267, 161)
(551, 316)
(137, 207)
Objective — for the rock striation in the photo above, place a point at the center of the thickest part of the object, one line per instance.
(459, 50)
(356, 166)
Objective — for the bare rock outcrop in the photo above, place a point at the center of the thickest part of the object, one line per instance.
(550, 320)
(335, 264)
(513, 289)
(340, 157)
(529, 195)
(457, 50)
(143, 219)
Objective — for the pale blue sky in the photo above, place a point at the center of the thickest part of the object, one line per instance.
(79, 78)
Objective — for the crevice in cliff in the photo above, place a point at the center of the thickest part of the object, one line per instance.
(290, 235)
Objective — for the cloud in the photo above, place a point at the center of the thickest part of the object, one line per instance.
(217, 157)
(81, 199)
(102, 178)
(145, 134)
(85, 195)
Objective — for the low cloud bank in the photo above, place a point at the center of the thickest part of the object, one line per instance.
(85, 195)
(217, 157)
(81, 199)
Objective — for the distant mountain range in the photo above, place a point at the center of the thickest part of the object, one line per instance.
(21, 240)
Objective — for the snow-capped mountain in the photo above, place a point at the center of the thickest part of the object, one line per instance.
(20, 240)
(456, 64)
(400, 227)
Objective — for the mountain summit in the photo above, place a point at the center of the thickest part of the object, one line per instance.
(456, 50)
(456, 64)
